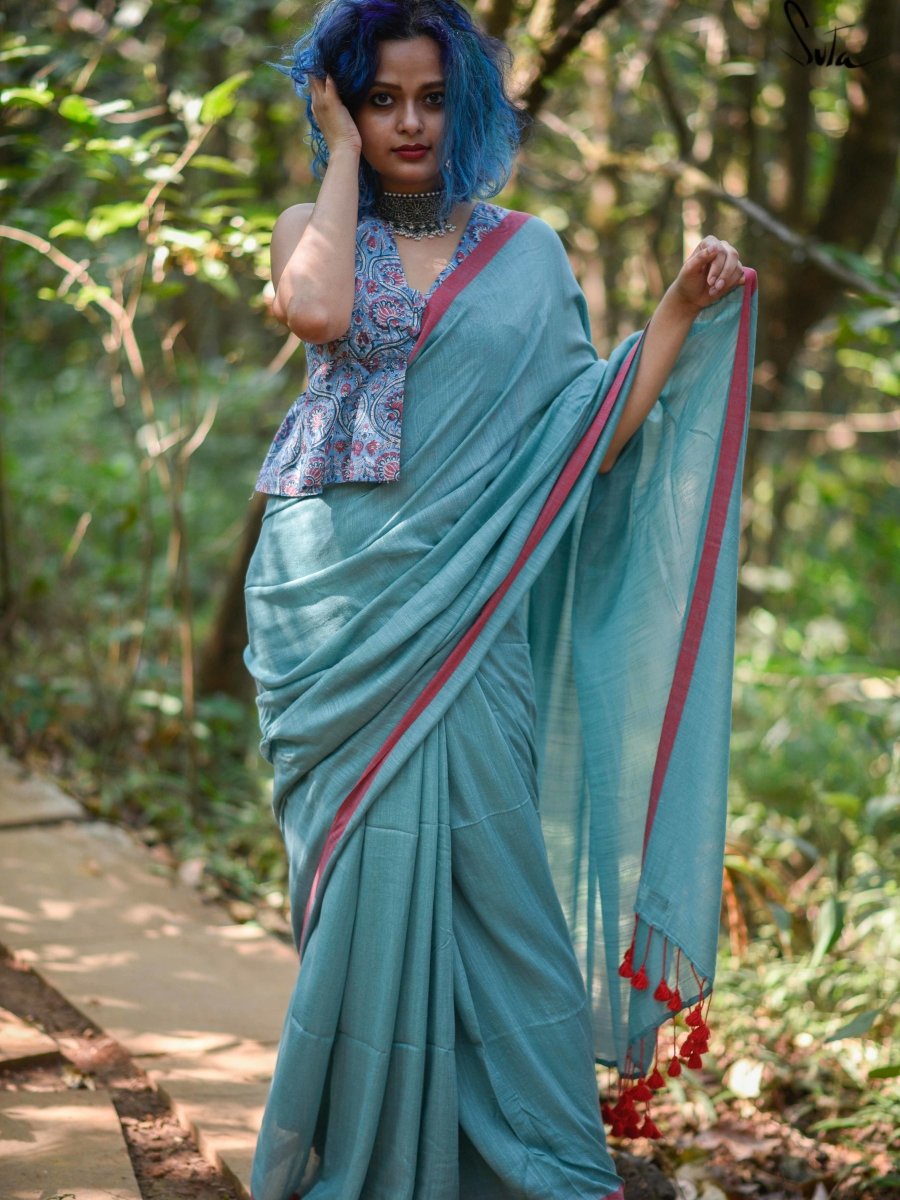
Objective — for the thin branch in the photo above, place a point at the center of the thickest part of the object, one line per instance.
(886, 422)
(568, 38)
(77, 271)
(198, 437)
(132, 117)
(288, 346)
(120, 320)
(694, 181)
(670, 102)
(191, 146)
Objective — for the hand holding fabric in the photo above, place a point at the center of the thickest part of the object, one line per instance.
(711, 272)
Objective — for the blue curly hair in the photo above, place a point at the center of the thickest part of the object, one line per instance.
(482, 127)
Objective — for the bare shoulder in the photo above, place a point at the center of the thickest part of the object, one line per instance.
(287, 231)
(293, 219)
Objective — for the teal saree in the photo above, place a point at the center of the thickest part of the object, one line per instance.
(496, 694)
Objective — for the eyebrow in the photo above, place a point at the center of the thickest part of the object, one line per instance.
(395, 87)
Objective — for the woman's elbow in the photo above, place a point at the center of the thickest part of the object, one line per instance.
(314, 325)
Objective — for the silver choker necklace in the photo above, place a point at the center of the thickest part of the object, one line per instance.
(414, 214)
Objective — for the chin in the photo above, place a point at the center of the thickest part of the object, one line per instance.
(425, 180)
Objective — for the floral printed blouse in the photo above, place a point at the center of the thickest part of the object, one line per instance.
(345, 428)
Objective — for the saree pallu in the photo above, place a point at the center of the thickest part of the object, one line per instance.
(496, 694)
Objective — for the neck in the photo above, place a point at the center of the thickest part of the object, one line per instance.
(414, 214)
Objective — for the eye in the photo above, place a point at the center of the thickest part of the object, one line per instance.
(436, 99)
(380, 99)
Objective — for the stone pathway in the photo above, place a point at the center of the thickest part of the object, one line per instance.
(56, 1144)
(196, 1000)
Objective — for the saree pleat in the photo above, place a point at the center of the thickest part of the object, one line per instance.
(480, 1036)
(444, 698)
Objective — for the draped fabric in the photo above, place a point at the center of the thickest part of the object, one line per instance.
(496, 696)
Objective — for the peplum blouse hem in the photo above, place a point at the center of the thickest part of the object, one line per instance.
(346, 426)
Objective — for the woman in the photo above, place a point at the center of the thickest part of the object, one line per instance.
(459, 613)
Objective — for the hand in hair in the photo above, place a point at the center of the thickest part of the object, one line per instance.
(333, 118)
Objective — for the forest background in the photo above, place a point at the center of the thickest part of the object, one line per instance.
(147, 150)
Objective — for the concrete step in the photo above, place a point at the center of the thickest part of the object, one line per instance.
(22, 1044)
(28, 799)
(56, 1144)
(197, 1000)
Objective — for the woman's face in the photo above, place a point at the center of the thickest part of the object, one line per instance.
(401, 120)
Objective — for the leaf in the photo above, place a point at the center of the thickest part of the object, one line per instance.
(830, 925)
(854, 1122)
(39, 97)
(891, 1071)
(113, 106)
(214, 162)
(844, 802)
(860, 1025)
(109, 218)
(215, 271)
(23, 52)
(874, 318)
(183, 237)
(221, 100)
(68, 229)
(77, 109)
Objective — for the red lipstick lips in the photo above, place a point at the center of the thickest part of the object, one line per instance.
(411, 152)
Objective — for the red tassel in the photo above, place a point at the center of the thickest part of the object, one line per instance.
(675, 1004)
(649, 1129)
(640, 980)
(633, 1127)
(629, 1116)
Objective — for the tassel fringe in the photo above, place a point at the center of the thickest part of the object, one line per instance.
(629, 1115)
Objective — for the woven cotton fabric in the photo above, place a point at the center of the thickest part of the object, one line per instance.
(496, 699)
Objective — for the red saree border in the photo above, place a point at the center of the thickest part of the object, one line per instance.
(723, 486)
(554, 502)
(444, 295)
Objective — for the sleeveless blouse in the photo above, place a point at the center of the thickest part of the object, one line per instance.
(346, 426)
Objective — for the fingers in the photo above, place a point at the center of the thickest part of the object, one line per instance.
(322, 89)
(318, 88)
(724, 270)
(323, 94)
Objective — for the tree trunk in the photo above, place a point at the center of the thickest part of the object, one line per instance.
(221, 667)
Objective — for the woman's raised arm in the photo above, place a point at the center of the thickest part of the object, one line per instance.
(313, 250)
(708, 274)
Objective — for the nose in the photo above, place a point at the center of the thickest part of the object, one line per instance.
(409, 119)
